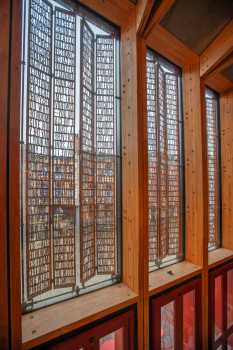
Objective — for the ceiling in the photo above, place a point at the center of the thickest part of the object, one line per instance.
(228, 73)
(197, 22)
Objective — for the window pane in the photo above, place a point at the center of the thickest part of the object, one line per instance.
(168, 326)
(165, 153)
(211, 102)
(189, 321)
(229, 298)
(113, 341)
(218, 306)
(70, 154)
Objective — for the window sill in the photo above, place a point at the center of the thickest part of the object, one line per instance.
(219, 256)
(171, 275)
(56, 320)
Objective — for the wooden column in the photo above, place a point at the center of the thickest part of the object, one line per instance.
(226, 127)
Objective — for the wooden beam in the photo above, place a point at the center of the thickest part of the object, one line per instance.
(160, 12)
(218, 82)
(144, 8)
(193, 164)
(14, 179)
(170, 47)
(116, 11)
(220, 48)
(226, 126)
(4, 71)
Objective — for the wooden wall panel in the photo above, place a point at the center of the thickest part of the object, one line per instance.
(226, 127)
(4, 57)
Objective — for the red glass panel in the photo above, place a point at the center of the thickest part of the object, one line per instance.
(113, 341)
(168, 326)
(218, 306)
(189, 321)
(229, 298)
(230, 342)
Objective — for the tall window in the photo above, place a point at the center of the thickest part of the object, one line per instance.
(70, 156)
(165, 162)
(212, 120)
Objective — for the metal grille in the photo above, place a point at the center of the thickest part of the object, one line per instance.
(87, 155)
(164, 162)
(38, 150)
(105, 161)
(213, 169)
(64, 150)
(174, 166)
(152, 157)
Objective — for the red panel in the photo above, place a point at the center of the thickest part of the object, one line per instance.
(230, 342)
(168, 326)
(229, 298)
(218, 306)
(113, 341)
(189, 321)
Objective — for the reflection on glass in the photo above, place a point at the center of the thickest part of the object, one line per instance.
(220, 347)
(230, 342)
(218, 306)
(168, 326)
(229, 298)
(189, 321)
(113, 341)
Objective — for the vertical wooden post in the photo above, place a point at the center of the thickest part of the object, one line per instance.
(14, 171)
(4, 71)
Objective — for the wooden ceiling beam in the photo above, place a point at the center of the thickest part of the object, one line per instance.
(218, 82)
(170, 47)
(159, 14)
(144, 8)
(219, 49)
(116, 11)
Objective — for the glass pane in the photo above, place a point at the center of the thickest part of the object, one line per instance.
(230, 342)
(189, 321)
(113, 341)
(218, 306)
(168, 326)
(229, 298)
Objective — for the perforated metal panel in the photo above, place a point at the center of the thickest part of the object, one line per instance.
(106, 160)
(87, 156)
(38, 150)
(165, 189)
(64, 150)
(213, 168)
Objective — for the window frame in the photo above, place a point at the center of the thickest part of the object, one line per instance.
(214, 95)
(90, 16)
(226, 331)
(129, 289)
(175, 69)
(175, 294)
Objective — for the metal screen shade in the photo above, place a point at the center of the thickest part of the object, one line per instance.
(63, 158)
(87, 155)
(211, 103)
(105, 156)
(38, 234)
(164, 162)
